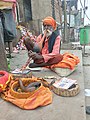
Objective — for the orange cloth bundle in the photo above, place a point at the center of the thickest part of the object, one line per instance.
(69, 55)
(69, 61)
(50, 21)
(28, 100)
(4, 80)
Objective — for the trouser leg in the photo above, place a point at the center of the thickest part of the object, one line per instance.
(55, 60)
(30, 45)
(52, 61)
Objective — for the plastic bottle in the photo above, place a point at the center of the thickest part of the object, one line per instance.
(8, 62)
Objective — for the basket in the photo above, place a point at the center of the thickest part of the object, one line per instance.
(66, 92)
(22, 75)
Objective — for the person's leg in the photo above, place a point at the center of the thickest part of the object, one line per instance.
(33, 65)
(55, 60)
(28, 43)
(52, 61)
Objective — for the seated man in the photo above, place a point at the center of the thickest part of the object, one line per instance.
(45, 51)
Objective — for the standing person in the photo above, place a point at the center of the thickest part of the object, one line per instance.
(46, 50)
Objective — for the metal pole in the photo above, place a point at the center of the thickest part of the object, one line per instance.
(53, 9)
(60, 15)
(60, 10)
(84, 12)
(65, 23)
(83, 24)
(69, 20)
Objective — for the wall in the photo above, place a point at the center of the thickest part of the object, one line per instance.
(40, 9)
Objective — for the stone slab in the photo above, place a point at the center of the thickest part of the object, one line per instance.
(62, 108)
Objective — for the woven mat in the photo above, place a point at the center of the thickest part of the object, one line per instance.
(63, 72)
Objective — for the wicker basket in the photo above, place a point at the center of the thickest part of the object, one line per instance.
(66, 92)
(63, 72)
(21, 75)
(22, 95)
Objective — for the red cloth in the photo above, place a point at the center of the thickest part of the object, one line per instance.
(9, 0)
(4, 80)
(14, 11)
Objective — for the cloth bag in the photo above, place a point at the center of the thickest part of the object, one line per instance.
(40, 97)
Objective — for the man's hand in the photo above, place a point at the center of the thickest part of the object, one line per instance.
(34, 55)
(40, 43)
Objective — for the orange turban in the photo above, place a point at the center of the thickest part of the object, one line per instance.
(50, 21)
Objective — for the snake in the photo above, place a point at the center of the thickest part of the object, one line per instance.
(32, 86)
(29, 88)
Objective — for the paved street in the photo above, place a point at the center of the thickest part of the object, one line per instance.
(20, 19)
(86, 66)
(20, 58)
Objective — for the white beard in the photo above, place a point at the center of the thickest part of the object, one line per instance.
(49, 33)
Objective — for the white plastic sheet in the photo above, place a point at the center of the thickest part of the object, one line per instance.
(87, 92)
